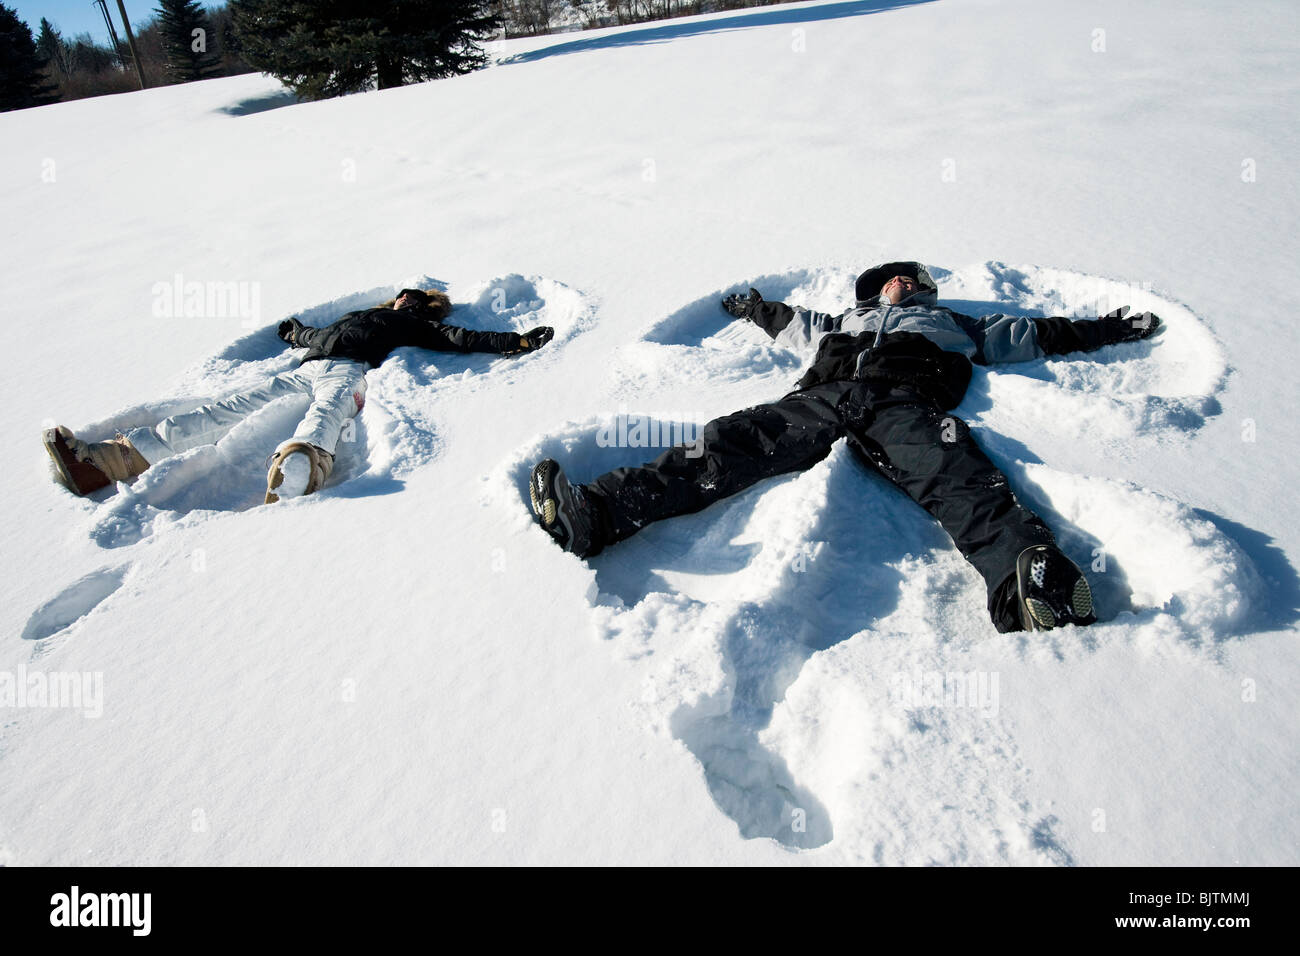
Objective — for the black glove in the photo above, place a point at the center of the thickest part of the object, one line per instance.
(1057, 336)
(289, 330)
(534, 339)
(742, 306)
(1113, 327)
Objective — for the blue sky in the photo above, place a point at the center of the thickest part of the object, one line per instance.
(72, 17)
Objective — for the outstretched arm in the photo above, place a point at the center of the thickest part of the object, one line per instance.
(1058, 336)
(790, 326)
(1019, 338)
(453, 338)
(307, 337)
(291, 328)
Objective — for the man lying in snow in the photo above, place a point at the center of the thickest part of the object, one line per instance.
(883, 376)
(333, 373)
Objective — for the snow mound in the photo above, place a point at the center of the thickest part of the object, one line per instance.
(1162, 388)
(1148, 556)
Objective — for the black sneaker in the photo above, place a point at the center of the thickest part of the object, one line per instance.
(1052, 590)
(563, 510)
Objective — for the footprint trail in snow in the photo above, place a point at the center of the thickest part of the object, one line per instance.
(74, 602)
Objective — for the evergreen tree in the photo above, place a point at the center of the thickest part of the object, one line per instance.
(332, 47)
(232, 60)
(84, 55)
(23, 81)
(186, 38)
(230, 39)
(49, 46)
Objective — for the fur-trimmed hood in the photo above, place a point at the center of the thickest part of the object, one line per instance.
(869, 284)
(436, 301)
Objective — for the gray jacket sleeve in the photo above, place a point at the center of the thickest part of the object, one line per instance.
(1002, 338)
(806, 328)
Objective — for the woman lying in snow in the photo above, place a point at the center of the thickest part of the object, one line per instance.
(333, 373)
(883, 376)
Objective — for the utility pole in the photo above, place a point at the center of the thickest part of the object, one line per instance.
(112, 33)
(130, 41)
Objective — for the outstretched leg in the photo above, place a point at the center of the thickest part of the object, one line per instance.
(207, 424)
(302, 464)
(931, 455)
(85, 467)
(338, 391)
(731, 454)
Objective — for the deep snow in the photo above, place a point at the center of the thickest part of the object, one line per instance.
(404, 669)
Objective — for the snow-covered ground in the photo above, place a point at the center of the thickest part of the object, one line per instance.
(404, 669)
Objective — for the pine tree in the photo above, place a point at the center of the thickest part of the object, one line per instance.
(23, 81)
(49, 46)
(332, 47)
(186, 37)
(230, 49)
(84, 55)
(230, 44)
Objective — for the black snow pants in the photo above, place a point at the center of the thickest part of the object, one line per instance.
(925, 451)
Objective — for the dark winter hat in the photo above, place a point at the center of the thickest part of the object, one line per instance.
(419, 295)
(873, 280)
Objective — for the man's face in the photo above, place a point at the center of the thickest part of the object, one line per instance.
(404, 302)
(899, 288)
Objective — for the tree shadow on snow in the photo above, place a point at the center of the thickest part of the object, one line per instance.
(663, 32)
(260, 104)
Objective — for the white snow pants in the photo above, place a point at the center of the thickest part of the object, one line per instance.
(337, 388)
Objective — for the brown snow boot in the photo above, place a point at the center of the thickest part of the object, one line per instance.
(88, 466)
(318, 461)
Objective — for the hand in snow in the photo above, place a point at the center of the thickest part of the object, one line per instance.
(289, 330)
(1116, 328)
(742, 306)
(534, 339)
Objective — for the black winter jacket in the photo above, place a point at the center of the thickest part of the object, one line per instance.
(371, 335)
(900, 358)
